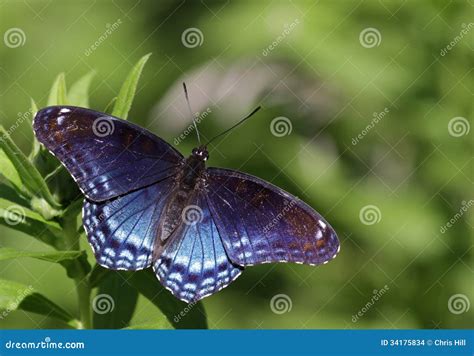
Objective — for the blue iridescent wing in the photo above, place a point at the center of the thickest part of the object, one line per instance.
(194, 264)
(260, 223)
(106, 156)
(122, 231)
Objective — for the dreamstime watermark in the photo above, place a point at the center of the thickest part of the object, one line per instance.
(370, 37)
(14, 37)
(465, 30)
(281, 304)
(110, 28)
(103, 304)
(13, 305)
(192, 37)
(288, 206)
(103, 126)
(199, 117)
(192, 215)
(377, 117)
(287, 29)
(377, 294)
(178, 317)
(370, 215)
(21, 118)
(46, 344)
(458, 126)
(458, 304)
(281, 126)
(464, 208)
(14, 215)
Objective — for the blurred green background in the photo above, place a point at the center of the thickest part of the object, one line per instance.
(379, 105)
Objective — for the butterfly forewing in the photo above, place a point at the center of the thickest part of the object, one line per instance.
(106, 156)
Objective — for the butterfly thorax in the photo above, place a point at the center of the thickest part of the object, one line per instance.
(188, 182)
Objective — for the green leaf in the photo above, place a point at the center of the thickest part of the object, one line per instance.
(78, 94)
(7, 253)
(97, 275)
(33, 183)
(178, 313)
(16, 296)
(129, 87)
(159, 325)
(9, 171)
(36, 145)
(19, 217)
(57, 95)
(115, 302)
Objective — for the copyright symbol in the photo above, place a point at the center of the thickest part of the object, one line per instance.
(429, 342)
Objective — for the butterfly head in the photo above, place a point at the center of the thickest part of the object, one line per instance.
(201, 153)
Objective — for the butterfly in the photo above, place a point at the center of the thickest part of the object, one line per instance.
(146, 205)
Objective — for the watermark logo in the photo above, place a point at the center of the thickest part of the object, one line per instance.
(14, 215)
(14, 37)
(198, 118)
(377, 294)
(13, 305)
(103, 304)
(276, 42)
(178, 317)
(458, 304)
(370, 37)
(192, 37)
(465, 30)
(377, 117)
(110, 28)
(370, 215)
(458, 126)
(281, 126)
(192, 215)
(103, 126)
(464, 208)
(281, 304)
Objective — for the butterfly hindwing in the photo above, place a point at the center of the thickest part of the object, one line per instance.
(106, 156)
(193, 263)
(260, 223)
(122, 231)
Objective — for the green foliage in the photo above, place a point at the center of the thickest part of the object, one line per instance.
(129, 87)
(39, 199)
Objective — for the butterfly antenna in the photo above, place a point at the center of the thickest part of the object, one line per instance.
(237, 124)
(191, 112)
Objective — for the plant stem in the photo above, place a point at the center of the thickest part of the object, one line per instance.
(83, 289)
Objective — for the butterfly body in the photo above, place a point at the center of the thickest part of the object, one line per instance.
(189, 181)
(147, 206)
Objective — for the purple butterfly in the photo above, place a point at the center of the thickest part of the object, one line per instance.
(147, 205)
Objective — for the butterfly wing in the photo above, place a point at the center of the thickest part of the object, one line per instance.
(260, 223)
(122, 231)
(106, 156)
(193, 263)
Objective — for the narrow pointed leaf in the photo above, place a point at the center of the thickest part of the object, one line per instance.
(17, 296)
(7, 253)
(57, 95)
(129, 87)
(33, 183)
(78, 94)
(9, 172)
(36, 145)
